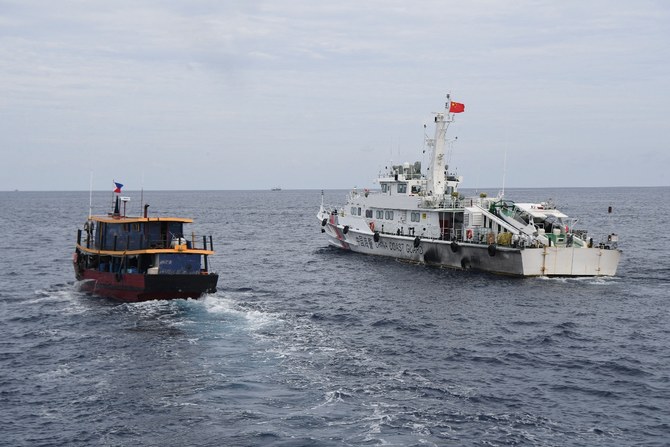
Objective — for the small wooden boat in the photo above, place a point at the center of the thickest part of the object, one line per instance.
(142, 258)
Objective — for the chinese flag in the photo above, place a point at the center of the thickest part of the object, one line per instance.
(456, 107)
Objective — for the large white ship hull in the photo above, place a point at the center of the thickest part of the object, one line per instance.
(543, 261)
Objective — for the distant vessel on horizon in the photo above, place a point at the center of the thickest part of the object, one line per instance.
(422, 217)
(276, 188)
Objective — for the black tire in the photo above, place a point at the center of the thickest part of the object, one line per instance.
(492, 250)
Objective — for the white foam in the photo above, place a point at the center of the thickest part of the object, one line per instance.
(225, 305)
(593, 280)
(69, 295)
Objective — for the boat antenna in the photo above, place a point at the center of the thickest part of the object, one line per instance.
(90, 196)
(504, 172)
(423, 150)
(502, 194)
(142, 191)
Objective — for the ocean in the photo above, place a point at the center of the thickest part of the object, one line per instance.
(305, 345)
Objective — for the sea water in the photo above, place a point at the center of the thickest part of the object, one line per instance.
(304, 344)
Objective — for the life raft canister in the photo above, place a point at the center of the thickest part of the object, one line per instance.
(468, 234)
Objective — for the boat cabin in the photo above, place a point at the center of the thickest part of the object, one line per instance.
(149, 245)
(138, 233)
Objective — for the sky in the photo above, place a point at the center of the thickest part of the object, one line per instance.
(303, 94)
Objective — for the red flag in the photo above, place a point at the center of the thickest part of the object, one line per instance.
(456, 107)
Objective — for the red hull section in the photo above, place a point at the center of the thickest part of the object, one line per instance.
(134, 287)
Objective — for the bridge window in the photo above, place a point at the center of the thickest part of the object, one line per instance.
(402, 188)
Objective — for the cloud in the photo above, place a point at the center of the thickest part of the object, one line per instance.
(301, 85)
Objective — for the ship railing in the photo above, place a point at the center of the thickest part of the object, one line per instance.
(450, 202)
(333, 209)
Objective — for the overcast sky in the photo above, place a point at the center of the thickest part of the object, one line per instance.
(211, 94)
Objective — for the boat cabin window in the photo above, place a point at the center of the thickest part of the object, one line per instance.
(385, 187)
(415, 216)
(416, 189)
(388, 215)
(402, 188)
(379, 214)
(368, 214)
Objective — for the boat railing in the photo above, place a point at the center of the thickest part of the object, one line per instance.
(170, 241)
(178, 241)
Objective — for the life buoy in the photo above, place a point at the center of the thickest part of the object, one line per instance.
(372, 226)
(468, 233)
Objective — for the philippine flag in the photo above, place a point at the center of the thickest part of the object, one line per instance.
(118, 187)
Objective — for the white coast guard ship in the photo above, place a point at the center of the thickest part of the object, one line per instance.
(423, 218)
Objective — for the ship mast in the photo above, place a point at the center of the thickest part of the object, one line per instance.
(436, 176)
